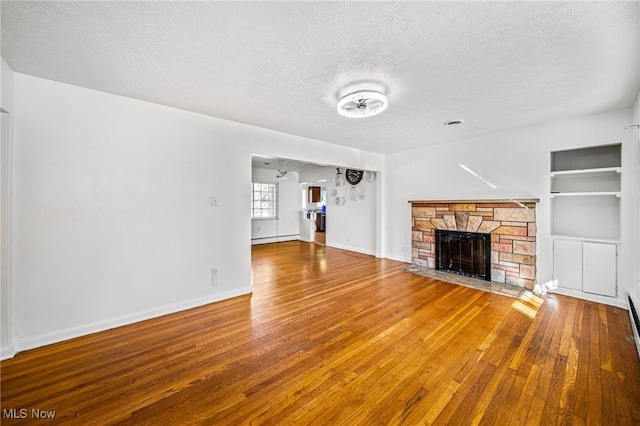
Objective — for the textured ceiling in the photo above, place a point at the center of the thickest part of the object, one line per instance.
(281, 65)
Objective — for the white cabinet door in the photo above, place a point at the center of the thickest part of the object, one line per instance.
(599, 268)
(567, 264)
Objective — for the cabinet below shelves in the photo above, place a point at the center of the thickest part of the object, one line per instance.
(586, 266)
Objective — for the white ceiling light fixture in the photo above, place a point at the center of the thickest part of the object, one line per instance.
(362, 103)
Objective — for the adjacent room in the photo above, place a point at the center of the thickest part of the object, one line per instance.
(320, 212)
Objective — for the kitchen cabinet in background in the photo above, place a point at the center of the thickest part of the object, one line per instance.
(313, 195)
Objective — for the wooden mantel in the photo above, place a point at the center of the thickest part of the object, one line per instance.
(497, 201)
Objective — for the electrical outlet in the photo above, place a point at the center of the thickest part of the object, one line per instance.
(214, 276)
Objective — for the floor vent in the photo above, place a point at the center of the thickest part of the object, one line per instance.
(635, 324)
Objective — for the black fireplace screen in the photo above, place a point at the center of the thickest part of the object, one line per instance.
(465, 253)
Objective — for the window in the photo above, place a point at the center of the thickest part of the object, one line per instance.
(263, 200)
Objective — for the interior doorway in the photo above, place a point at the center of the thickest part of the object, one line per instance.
(351, 220)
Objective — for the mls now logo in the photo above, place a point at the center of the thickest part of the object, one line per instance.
(23, 413)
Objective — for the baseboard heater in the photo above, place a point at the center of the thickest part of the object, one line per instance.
(276, 237)
(635, 324)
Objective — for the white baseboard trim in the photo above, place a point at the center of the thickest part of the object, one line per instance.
(349, 248)
(71, 333)
(268, 240)
(7, 352)
(611, 301)
(398, 258)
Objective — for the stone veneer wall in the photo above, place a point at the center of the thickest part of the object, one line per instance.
(512, 228)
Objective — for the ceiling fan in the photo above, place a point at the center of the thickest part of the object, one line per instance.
(363, 103)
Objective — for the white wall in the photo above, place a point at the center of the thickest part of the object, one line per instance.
(113, 221)
(286, 227)
(6, 217)
(516, 161)
(352, 226)
(634, 287)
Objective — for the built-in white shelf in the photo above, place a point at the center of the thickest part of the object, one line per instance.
(589, 158)
(586, 215)
(602, 170)
(588, 238)
(585, 194)
(584, 182)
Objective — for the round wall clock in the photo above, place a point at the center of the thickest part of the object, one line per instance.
(353, 176)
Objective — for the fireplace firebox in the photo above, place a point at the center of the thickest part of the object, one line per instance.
(464, 253)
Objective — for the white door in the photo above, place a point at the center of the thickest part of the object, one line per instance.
(599, 268)
(567, 264)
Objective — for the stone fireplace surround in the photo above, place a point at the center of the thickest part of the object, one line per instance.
(511, 223)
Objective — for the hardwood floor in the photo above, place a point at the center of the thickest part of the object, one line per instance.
(320, 238)
(340, 338)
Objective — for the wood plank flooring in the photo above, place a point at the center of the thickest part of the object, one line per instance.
(320, 238)
(339, 338)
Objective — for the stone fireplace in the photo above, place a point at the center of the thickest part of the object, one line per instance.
(511, 225)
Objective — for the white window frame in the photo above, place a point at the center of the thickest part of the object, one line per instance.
(267, 195)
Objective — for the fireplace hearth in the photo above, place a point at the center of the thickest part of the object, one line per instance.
(464, 253)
